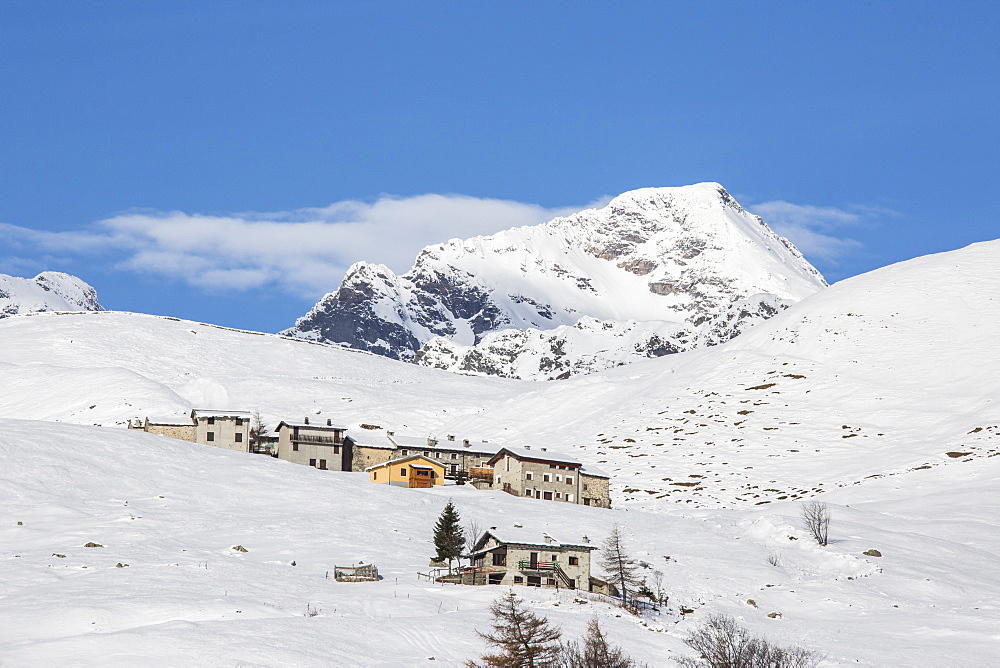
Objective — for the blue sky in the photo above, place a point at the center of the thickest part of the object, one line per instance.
(226, 161)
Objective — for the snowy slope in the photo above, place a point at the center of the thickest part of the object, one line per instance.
(49, 291)
(660, 259)
(172, 511)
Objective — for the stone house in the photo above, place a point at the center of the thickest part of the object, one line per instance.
(317, 444)
(516, 557)
(369, 449)
(223, 429)
(415, 471)
(540, 474)
(180, 427)
(454, 455)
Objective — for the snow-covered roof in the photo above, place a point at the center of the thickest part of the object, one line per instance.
(209, 412)
(401, 460)
(458, 446)
(594, 471)
(540, 453)
(409, 441)
(368, 440)
(521, 536)
(172, 420)
(311, 425)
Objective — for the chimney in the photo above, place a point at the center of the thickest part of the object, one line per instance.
(329, 422)
(527, 447)
(466, 443)
(451, 437)
(586, 539)
(390, 433)
(549, 539)
(543, 449)
(307, 420)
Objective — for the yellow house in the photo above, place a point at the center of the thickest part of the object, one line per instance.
(413, 471)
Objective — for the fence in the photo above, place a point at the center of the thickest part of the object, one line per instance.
(359, 573)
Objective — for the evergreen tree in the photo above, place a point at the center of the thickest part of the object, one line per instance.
(620, 567)
(449, 539)
(524, 639)
(595, 652)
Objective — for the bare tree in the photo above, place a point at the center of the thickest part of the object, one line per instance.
(524, 639)
(816, 517)
(722, 643)
(621, 569)
(594, 651)
(473, 532)
(257, 429)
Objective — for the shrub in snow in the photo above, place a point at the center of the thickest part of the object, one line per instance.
(240, 548)
(722, 643)
(872, 553)
(93, 545)
(816, 517)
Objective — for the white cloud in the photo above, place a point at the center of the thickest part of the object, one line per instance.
(304, 252)
(814, 229)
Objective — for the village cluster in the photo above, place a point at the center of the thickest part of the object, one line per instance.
(506, 557)
(388, 458)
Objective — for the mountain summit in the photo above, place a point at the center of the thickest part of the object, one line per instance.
(656, 271)
(49, 291)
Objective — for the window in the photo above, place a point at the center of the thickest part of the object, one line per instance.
(211, 420)
(239, 437)
(495, 578)
(374, 475)
(558, 495)
(528, 476)
(239, 422)
(569, 480)
(454, 455)
(211, 436)
(295, 447)
(423, 472)
(312, 462)
(546, 477)
(585, 487)
(336, 449)
(404, 452)
(402, 470)
(552, 466)
(548, 496)
(527, 492)
(518, 579)
(555, 557)
(558, 478)
(550, 581)
(574, 561)
(322, 464)
(499, 559)
(426, 454)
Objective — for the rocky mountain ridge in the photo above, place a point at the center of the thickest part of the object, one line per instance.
(656, 271)
(48, 291)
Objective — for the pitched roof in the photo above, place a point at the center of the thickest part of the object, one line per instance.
(367, 440)
(594, 471)
(401, 460)
(173, 420)
(541, 454)
(521, 536)
(310, 425)
(415, 443)
(209, 412)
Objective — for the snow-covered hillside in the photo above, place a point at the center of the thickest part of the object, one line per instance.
(879, 375)
(877, 395)
(49, 291)
(170, 513)
(676, 267)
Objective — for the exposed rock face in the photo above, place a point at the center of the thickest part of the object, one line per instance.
(49, 291)
(656, 271)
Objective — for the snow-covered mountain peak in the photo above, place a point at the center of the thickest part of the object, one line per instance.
(49, 291)
(664, 256)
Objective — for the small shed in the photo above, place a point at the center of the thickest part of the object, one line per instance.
(415, 471)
